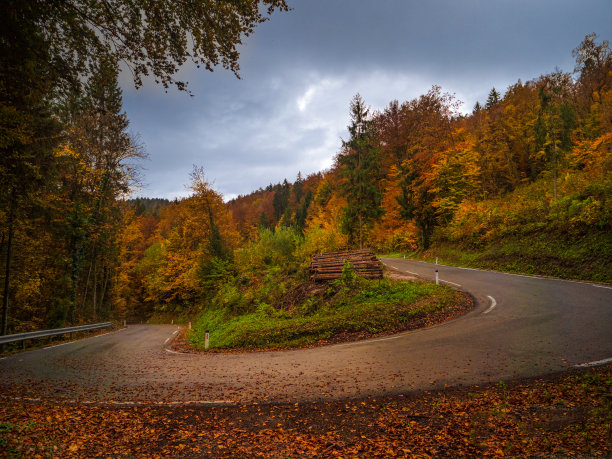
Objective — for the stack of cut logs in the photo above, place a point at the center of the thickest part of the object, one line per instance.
(328, 266)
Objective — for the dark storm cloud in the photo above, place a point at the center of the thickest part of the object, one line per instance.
(300, 70)
(346, 35)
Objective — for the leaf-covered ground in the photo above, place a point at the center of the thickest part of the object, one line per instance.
(560, 415)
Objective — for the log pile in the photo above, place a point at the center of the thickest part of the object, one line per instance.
(328, 266)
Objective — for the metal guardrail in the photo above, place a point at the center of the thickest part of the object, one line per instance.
(48, 333)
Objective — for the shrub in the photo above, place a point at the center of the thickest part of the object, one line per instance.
(349, 276)
(273, 248)
(319, 240)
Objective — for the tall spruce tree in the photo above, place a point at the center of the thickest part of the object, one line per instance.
(298, 188)
(302, 212)
(280, 202)
(493, 98)
(555, 122)
(360, 167)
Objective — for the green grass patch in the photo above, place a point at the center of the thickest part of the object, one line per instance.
(392, 255)
(181, 318)
(366, 308)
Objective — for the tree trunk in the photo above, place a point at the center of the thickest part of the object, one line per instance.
(86, 288)
(95, 290)
(74, 274)
(360, 233)
(425, 230)
(360, 175)
(105, 277)
(555, 166)
(91, 264)
(9, 253)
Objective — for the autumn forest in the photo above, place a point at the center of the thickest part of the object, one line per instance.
(522, 183)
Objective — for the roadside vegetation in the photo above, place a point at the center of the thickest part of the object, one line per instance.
(587, 259)
(264, 300)
(338, 311)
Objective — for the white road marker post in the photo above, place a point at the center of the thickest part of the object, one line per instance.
(206, 341)
(436, 260)
(189, 326)
(437, 278)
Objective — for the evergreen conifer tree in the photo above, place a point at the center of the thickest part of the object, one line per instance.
(302, 212)
(360, 168)
(280, 202)
(298, 187)
(493, 98)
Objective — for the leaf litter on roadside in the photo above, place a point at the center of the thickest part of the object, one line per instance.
(563, 414)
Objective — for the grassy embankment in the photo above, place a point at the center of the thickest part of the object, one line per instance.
(337, 312)
(587, 258)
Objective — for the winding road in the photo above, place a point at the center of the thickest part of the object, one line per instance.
(522, 326)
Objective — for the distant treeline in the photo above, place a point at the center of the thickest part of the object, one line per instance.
(148, 206)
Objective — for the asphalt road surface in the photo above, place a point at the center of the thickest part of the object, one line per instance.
(522, 326)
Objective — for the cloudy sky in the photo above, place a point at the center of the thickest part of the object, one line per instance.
(300, 70)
